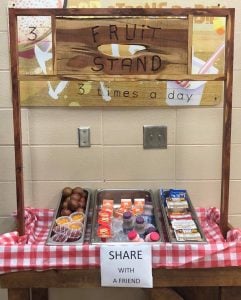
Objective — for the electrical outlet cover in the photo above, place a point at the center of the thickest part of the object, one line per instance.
(84, 136)
(154, 137)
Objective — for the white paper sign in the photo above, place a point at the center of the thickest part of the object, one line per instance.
(126, 266)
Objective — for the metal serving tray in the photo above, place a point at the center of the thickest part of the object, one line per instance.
(57, 214)
(163, 194)
(117, 195)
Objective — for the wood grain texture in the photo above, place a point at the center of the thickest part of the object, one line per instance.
(162, 294)
(228, 293)
(199, 293)
(190, 41)
(53, 30)
(111, 93)
(40, 294)
(87, 278)
(17, 123)
(19, 294)
(72, 77)
(187, 293)
(123, 12)
(79, 43)
(227, 120)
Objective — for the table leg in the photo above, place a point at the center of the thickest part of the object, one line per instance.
(162, 294)
(40, 294)
(199, 292)
(18, 294)
(233, 293)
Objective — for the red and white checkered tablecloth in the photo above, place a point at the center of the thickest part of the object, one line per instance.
(30, 252)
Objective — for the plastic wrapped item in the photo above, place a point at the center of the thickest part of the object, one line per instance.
(104, 218)
(60, 237)
(60, 229)
(74, 235)
(126, 204)
(77, 217)
(64, 220)
(104, 231)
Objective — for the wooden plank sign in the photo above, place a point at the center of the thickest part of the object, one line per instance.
(119, 93)
(121, 47)
(115, 60)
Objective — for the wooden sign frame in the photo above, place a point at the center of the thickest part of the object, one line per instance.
(125, 61)
(227, 78)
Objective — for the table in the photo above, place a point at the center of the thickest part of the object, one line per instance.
(214, 273)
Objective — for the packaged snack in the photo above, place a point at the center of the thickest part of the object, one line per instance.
(108, 203)
(60, 229)
(139, 202)
(183, 224)
(187, 235)
(126, 204)
(60, 237)
(104, 217)
(104, 231)
(74, 235)
(64, 220)
(183, 214)
(75, 231)
(118, 212)
(77, 217)
(76, 226)
(174, 203)
(137, 210)
(178, 195)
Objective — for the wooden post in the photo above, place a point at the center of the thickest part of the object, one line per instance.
(227, 118)
(17, 121)
(40, 294)
(18, 294)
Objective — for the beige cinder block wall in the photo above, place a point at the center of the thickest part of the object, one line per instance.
(116, 158)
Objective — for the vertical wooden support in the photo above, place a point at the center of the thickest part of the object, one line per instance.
(53, 25)
(227, 118)
(40, 294)
(18, 294)
(199, 292)
(17, 121)
(233, 293)
(162, 294)
(190, 37)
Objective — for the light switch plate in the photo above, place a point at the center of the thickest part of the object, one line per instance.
(154, 137)
(84, 136)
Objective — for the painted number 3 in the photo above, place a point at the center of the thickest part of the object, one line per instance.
(81, 89)
(32, 36)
